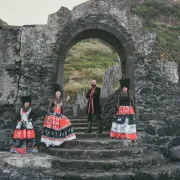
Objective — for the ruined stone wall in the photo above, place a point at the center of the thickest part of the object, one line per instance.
(9, 78)
(157, 100)
(28, 67)
(29, 57)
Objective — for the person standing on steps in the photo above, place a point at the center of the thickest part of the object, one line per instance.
(93, 106)
(24, 135)
(123, 125)
(57, 128)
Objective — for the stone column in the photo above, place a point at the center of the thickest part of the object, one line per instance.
(130, 72)
(60, 72)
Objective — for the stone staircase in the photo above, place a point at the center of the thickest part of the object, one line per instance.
(96, 157)
(80, 125)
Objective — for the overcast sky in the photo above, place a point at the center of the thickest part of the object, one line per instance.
(21, 12)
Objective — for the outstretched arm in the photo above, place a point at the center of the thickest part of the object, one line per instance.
(62, 107)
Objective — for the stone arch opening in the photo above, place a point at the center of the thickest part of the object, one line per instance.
(110, 35)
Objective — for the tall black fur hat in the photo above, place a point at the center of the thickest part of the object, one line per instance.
(26, 99)
(57, 87)
(125, 83)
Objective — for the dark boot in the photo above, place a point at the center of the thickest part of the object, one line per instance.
(89, 127)
(99, 124)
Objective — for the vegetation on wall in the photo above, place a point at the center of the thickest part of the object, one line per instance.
(169, 41)
(152, 9)
(153, 13)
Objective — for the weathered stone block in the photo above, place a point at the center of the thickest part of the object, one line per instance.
(145, 91)
(2, 136)
(8, 114)
(165, 131)
(174, 153)
(174, 142)
(10, 124)
(150, 129)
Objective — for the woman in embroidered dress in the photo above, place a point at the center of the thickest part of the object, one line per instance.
(24, 135)
(123, 126)
(57, 127)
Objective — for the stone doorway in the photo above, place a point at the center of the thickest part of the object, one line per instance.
(109, 34)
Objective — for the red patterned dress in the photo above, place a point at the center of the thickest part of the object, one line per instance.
(123, 125)
(24, 135)
(57, 128)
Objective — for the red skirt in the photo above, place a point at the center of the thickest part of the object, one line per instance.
(123, 125)
(24, 134)
(24, 140)
(57, 130)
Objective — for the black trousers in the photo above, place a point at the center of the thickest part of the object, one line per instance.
(98, 118)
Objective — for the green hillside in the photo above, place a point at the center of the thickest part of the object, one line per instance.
(156, 15)
(87, 60)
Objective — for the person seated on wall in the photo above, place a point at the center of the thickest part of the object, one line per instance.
(123, 125)
(57, 128)
(24, 136)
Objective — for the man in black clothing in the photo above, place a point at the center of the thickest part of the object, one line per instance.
(94, 107)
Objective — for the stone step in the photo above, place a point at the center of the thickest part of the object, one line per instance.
(97, 153)
(83, 125)
(94, 121)
(74, 175)
(83, 129)
(73, 121)
(144, 169)
(104, 134)
(77, 117)
(98, 143)
(122, 164)
(168, 171)
(92, 135)
(38, 160)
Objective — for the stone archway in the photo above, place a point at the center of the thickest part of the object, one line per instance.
(105, 32)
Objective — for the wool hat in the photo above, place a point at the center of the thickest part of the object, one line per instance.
(125, 83)
(57, 87)
(26, 99)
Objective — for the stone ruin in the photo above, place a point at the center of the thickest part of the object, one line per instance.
(32, 59)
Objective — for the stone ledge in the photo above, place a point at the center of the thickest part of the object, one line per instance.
(28, 160)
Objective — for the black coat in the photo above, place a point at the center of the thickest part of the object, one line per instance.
(96, 100)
